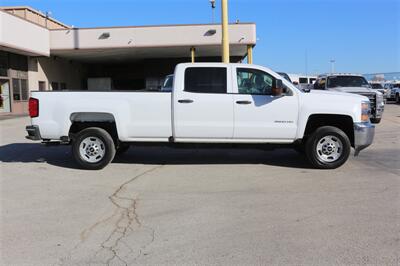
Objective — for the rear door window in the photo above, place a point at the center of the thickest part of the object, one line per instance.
(206, 79)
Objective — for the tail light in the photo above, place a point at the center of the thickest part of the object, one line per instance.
(33, 107)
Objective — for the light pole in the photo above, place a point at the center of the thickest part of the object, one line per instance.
(225, 32)
(332, 65)
(48, 14)
(212, 2)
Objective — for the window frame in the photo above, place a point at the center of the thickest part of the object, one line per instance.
(39, 87)
(227, 84)
(19, 81)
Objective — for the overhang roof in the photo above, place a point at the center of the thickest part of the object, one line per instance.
(136, 43)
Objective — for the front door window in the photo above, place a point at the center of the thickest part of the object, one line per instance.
(253, 81)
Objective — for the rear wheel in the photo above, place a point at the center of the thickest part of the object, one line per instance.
(93, 148)
(328, 148)
(397, 98)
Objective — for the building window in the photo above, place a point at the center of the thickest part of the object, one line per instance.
(24, 89)
(18, 62)
(20, 89)
(206, 79)
(3, 64)
(63, 86)
(54, 86)
(42, 85)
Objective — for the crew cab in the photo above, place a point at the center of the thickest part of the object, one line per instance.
(356, 84)
(211, 104)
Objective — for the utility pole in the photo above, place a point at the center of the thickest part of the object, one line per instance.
(332, 65)
(225, 32)
(212, 2)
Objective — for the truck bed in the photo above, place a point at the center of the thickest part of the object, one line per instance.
(137, 114)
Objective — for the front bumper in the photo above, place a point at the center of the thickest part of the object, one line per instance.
(33, 133)
(363, 136)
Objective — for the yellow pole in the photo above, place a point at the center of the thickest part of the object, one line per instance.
(249, 54)
(192, 53)
(225, 32)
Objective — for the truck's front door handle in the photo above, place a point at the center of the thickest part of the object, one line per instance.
(243, 102)
(185, 101)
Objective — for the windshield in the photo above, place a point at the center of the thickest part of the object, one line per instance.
(347, 81)
(376, 86)
(284, 75)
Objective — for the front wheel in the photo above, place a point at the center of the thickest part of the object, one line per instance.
(328, 148)
(397, 98)
(93, 148)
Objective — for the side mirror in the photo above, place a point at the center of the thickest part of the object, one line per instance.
(279, 84)
(278, 89)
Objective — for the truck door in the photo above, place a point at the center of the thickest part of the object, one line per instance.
(258, 114)
(203, 106)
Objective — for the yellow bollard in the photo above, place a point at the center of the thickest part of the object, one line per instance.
(192, 53)
(225, 32)
(249, 54)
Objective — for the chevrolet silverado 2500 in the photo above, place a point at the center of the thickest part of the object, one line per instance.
(211, 104)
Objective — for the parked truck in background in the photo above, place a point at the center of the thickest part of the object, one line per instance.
(393, 89)
(211, 104)
(356, 84)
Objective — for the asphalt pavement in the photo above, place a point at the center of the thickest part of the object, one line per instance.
(160, 206)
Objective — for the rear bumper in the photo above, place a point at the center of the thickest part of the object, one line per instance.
(363, 136)
(33, 133)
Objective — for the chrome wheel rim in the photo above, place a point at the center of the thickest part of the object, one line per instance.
(329, 149)
(92, 149)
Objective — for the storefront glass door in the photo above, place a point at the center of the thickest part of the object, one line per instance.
(5, 104)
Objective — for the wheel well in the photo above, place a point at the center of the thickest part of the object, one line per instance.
(106, 121)
(343, 122)
(110, 127)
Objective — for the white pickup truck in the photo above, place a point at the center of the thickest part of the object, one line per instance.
(210, 104)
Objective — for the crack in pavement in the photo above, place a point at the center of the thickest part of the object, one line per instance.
(127, 218)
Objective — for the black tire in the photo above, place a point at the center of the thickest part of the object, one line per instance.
(397, 98)
(375, 120)
(122, 148)
(108, 148)
(312, 142)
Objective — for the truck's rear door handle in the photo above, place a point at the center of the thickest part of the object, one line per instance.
(243, 102)
(185, 101)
